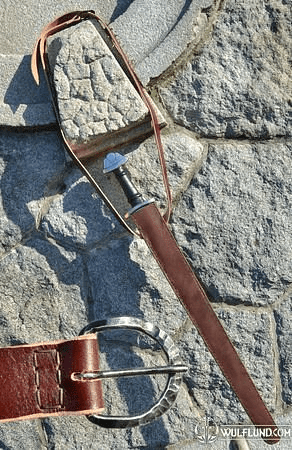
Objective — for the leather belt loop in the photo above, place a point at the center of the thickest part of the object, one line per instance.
(38, 380)
(187, 288)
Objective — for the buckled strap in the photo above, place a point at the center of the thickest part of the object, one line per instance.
(39, 51)
(38, 380)
(157, 235)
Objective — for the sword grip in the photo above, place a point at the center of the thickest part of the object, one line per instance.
(134, 197)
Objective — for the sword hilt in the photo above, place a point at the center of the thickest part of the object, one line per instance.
(114, 162)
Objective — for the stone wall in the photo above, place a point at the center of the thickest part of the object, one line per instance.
(220, 73)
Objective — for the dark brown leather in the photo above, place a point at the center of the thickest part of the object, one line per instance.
(160, 240)
(38, 380)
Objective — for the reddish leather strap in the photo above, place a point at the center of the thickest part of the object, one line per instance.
(157, 235)
(38, 380)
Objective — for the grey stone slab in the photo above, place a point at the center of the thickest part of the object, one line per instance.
(158, 34)
(94, 95)
(26, 179)
(20, 27)
(195, 445)
(78, 218)
(183, 155)
(234, 222)
(283, 317)
(155, 36)
(23, 435)
(239, 85)
(43, 293)
(22, 102)
(126, 280)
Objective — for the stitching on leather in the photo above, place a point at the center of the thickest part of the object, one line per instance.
(56, 357)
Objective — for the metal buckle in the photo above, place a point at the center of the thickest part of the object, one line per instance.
(174, 369)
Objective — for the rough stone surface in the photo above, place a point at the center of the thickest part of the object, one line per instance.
(251, 335)
(183, 155)
(20, 435)
(158, 34)
(138, 280)
(283, 317)
(22, 102)
(65, 260)
(154, 37)
(94, 95)
(234, 222)
(23, 158)
(80, 226)
(240, 84)
(28, 24)
(42, 300)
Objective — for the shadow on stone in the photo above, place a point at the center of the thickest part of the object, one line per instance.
(122, 6)
(23, 89)
(104, 278)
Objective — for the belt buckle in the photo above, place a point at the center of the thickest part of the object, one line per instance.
(174, 369)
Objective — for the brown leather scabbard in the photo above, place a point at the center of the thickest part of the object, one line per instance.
(187, 288)
(39, 380)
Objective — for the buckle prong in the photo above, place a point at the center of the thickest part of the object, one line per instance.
(178, 368)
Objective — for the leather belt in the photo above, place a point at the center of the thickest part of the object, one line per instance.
(38, 380)
(154, 229)
(64, 377)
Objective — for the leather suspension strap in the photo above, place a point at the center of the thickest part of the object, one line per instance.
(187, 288)
(38, 380)
(39, 51)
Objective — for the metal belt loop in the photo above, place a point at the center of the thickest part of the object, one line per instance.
(174, 369)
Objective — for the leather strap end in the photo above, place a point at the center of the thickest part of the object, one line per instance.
(34, 62)
(58, 24)
(38, 380)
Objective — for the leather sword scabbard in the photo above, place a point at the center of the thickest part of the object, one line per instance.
(187, 288)
(38, 380)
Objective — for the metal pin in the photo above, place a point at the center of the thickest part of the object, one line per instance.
(132, 372)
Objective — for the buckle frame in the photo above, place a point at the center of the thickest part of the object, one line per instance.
(174, 368)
